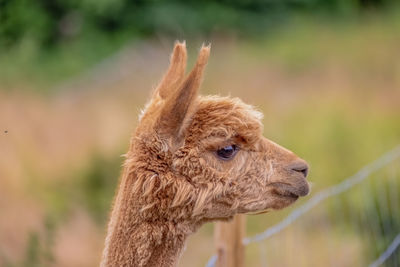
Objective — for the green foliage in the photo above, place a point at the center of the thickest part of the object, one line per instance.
(52, 22)
(38, 252)
(91, 187)
(47, 41)
(371, 211)
(32, 251)
(97, 185)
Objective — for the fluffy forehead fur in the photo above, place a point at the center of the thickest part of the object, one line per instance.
(225, 116)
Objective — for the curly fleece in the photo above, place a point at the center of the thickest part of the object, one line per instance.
(173, 181)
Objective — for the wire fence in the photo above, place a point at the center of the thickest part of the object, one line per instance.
(387, 253)
(329, 192)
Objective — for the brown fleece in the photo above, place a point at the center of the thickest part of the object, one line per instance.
(173, 180)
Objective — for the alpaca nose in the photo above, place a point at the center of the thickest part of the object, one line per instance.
(299, 166)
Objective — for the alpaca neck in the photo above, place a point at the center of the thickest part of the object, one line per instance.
(134, 241)
(147, 245)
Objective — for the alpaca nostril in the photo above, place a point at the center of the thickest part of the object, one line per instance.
(300, 166)
(304, 171)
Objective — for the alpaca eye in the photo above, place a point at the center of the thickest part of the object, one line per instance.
(227, 152)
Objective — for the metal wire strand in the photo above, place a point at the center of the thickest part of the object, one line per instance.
(339, 188)
(387, 253)
(343, 186)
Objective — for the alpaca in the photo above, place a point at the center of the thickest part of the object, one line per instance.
(194, 159)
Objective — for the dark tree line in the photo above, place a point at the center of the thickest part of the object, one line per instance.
(50, 22)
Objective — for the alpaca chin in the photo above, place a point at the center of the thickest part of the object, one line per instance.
(259, 212)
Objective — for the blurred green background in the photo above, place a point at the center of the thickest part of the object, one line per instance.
(75, 74)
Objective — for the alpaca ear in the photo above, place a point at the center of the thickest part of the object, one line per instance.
(179, 100)
(176, 71)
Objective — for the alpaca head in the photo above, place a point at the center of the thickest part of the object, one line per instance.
(205, 157)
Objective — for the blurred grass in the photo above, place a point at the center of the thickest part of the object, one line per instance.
(43, 69)
(298, 42)
(92, 187)
(330, 91)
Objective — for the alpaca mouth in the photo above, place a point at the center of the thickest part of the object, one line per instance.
(287, 194)
(289, 191)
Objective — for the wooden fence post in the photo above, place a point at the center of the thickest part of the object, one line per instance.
(228, 240)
